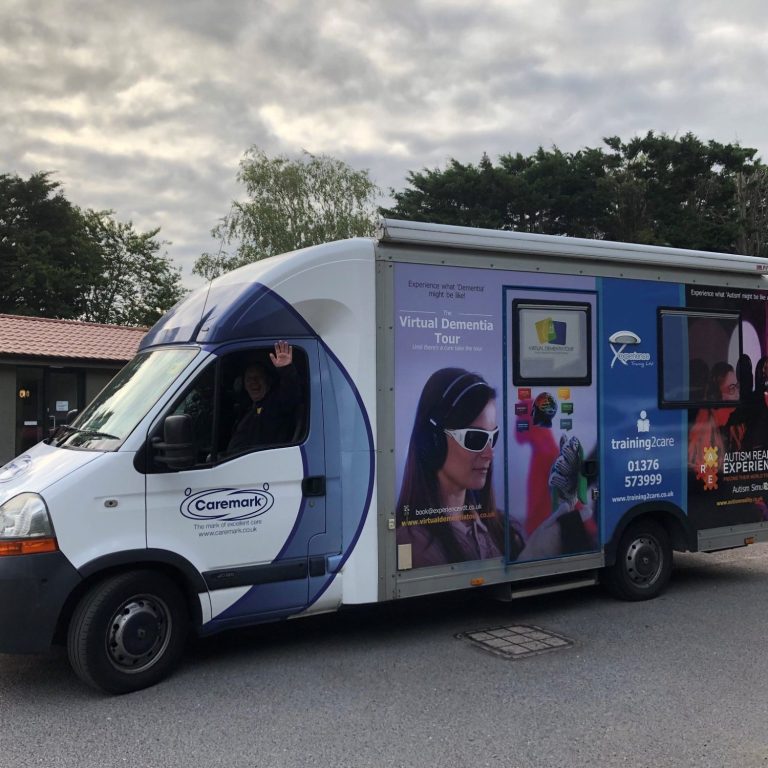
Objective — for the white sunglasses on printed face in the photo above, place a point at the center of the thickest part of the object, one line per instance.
(473, 438)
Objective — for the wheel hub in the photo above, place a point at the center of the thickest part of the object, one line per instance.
(644, 561)
(138, 633)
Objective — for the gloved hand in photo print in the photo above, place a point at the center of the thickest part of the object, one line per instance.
(569, 528)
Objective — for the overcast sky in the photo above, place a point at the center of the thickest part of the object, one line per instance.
(146, 106)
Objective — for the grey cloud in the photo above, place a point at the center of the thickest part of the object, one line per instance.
(426, 80)
(204, 19)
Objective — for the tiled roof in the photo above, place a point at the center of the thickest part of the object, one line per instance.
(71, 339)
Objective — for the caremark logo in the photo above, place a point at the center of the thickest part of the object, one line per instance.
(227, 503)
(550, 331)
(619, 341)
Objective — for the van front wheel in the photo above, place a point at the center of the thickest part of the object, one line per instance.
(643, 562)
(128, 632)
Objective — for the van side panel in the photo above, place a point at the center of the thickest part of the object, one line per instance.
(643, 451)
(456, 331)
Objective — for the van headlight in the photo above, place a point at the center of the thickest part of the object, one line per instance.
(25, 517)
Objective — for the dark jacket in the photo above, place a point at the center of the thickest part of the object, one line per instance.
(273, 419)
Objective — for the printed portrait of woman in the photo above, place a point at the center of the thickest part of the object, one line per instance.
(716, 427)
(446, 508)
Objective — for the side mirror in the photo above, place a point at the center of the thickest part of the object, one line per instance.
(71, 416)
(177, 448)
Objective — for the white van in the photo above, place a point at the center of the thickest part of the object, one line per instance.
(440, 408)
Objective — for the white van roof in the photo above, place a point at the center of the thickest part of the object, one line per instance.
(501, 241)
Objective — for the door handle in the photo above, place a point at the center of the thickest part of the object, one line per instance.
(313, 486)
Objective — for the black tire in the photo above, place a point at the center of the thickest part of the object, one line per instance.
(643, 562)
(128, 632)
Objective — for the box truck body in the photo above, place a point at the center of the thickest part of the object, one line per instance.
(462, 408)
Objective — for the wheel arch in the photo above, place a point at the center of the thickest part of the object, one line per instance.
(671, 517)
(174, 566)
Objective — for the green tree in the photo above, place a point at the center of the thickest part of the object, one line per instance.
(654, 189)
(681, 191)
(751, 218)
(550, 192)
(46, 259)
(57, 260)
(291, 203)
(135, 283)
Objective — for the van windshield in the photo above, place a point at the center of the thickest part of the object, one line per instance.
(125, 401)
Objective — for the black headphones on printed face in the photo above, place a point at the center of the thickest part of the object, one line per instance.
(432, 448)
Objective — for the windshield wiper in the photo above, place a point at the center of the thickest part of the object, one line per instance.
(89, 432)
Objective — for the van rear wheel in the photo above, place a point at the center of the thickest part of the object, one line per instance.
(643, 562)
(128, 632)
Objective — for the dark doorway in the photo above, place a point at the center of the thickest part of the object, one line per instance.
(44, 397)
(29, 408)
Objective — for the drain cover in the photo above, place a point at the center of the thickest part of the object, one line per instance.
(516, 641)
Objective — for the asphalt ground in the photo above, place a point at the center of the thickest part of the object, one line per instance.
(678, 681)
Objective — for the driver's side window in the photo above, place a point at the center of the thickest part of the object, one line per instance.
(242, 403)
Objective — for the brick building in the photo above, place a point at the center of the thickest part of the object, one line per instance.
(51, 367)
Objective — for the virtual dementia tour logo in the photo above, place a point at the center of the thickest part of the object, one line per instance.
(623, 339)
(550, 331)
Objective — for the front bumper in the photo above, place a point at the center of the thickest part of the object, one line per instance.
(33, 590)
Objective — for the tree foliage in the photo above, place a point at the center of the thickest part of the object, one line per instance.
(135, 283)
(654, 189)
(291, 203)
(57, 260)
(46, 259)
